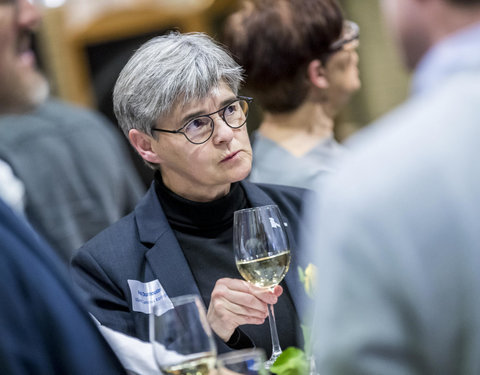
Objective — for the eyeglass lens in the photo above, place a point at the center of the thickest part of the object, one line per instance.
(200, 129)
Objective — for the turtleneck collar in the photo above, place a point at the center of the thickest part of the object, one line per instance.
(202, 218)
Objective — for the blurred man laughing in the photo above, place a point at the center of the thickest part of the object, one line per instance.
(23, 86)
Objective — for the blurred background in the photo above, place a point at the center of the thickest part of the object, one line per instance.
(83, 44)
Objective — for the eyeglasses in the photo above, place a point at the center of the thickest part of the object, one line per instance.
(200, 129)
(350, 32)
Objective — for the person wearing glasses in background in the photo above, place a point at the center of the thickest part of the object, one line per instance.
(176, 100)
(301, 63)
(45, 330)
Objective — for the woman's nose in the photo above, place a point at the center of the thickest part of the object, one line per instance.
(222, 132)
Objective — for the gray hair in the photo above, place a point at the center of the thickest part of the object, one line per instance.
(167, 71)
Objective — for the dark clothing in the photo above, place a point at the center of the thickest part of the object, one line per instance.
(138, 261)
(204, 232)
(44, 328)
(77, 172)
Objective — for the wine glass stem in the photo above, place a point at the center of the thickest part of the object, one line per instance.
(276, 349)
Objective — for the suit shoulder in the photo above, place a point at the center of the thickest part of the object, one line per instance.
(117, 238)
(292, 193)
(290, 199)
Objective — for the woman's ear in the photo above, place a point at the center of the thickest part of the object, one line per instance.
(317, 74)
(143, 144)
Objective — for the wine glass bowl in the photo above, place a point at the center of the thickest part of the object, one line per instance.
(262, 251)
(265, 272)
(181, 338)
(262, 254)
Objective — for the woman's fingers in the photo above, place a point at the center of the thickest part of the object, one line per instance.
(236, 302)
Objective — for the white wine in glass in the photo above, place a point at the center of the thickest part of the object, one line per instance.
(262, 254)
(181, 338)
(265, 272)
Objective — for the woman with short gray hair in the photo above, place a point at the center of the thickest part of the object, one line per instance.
(176, 100)
(140, 101)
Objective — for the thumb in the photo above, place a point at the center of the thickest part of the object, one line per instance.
(278, 290)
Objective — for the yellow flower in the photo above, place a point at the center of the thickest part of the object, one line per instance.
(310, 280)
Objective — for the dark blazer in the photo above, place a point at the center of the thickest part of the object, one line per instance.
(143, 247)
(44, 328)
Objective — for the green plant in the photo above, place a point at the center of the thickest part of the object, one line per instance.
(295, 361)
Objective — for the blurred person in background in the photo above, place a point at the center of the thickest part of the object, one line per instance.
(44, 328)
(64, 167)
(302, 66)
(176, 100)
(398, 231)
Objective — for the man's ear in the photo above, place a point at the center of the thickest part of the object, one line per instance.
(317, 74)
(143, 144)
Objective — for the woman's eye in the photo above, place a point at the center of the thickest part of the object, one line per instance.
(231, 109)
(198, 127)
(197, 123)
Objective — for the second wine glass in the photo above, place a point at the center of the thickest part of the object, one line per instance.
(262, 254)
(181, 338)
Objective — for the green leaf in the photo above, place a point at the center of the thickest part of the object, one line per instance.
(291, 362)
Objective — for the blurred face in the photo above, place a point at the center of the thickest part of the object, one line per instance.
(343, 75)
(21, 85)
(405, 21)
(203, 172)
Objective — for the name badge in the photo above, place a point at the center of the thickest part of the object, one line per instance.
(146, 296)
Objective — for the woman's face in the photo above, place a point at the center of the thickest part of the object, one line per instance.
(343, 74)
(203, 172)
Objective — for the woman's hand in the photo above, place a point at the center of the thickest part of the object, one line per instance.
(236, 302)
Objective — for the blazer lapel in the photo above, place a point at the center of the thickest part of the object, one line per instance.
(165, 257)
(170, 266)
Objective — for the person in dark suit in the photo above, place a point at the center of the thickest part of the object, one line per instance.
(176, 100)
(45, 329)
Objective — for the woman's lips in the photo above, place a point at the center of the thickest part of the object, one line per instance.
(230, 156)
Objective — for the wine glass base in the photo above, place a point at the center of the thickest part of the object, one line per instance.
(272, 360)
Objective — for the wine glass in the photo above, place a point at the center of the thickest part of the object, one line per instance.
(245, 362)
(181, 338)
(262, 254)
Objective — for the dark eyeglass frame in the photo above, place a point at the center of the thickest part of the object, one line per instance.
(349, 27)
(222, 115)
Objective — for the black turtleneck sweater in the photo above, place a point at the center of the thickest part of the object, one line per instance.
(204, 232)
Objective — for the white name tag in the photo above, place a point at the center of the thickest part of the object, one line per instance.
(146, 296)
